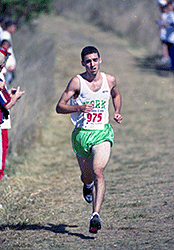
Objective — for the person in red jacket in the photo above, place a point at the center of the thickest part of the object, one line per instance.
(7, 100)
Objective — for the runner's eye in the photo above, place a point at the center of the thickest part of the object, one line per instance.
(94, 60)
(88, 61)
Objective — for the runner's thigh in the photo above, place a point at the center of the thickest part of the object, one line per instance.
(101, 154)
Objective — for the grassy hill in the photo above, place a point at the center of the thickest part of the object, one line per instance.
(41, 204)
(134, 20)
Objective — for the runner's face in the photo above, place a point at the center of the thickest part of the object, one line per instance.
(92, 63)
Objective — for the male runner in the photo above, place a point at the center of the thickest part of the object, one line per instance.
(92, 137)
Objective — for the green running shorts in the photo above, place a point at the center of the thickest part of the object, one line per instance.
(83, 139)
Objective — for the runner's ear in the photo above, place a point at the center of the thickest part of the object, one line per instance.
(83, 64)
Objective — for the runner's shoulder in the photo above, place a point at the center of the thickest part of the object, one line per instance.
(74, 83)
(111, 80)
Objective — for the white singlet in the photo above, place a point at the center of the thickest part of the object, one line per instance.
(99, 116)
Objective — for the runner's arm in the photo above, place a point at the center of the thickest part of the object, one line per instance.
(116, 98)
(73, 89)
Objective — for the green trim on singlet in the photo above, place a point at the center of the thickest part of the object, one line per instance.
(83, 140)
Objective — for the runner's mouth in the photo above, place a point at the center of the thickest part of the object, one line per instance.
(93, 69)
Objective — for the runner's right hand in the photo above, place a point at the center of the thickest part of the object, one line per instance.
(86, 108)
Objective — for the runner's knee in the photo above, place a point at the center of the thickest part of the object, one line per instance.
(99, 173)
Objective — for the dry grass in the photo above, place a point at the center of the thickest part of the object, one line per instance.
(42, 205)
(34, 74)
(135, 20)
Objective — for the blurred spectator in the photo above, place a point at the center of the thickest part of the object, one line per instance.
(166, 28)
(10, 28)
(6, 125)
(2, 20)
(5, 44)
(7, 100)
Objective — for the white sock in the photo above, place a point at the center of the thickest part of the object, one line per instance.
(89, 185)
(95, 213)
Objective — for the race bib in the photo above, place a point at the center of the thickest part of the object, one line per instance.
(94, 120)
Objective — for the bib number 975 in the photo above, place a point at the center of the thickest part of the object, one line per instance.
(94, 117)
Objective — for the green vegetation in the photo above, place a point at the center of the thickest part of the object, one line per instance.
(25, 10)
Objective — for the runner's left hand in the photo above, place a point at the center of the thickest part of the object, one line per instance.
(118, 118)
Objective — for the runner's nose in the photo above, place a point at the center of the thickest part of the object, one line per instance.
(92, 63)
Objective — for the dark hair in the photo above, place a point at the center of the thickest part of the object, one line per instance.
(89, 50)
(9, 23)
(4, 41)
(2, 18)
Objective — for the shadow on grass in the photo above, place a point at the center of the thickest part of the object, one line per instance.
(150, 63)
(58, 229)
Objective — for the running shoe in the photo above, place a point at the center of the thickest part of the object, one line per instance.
(95, 224)
(87, 193)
